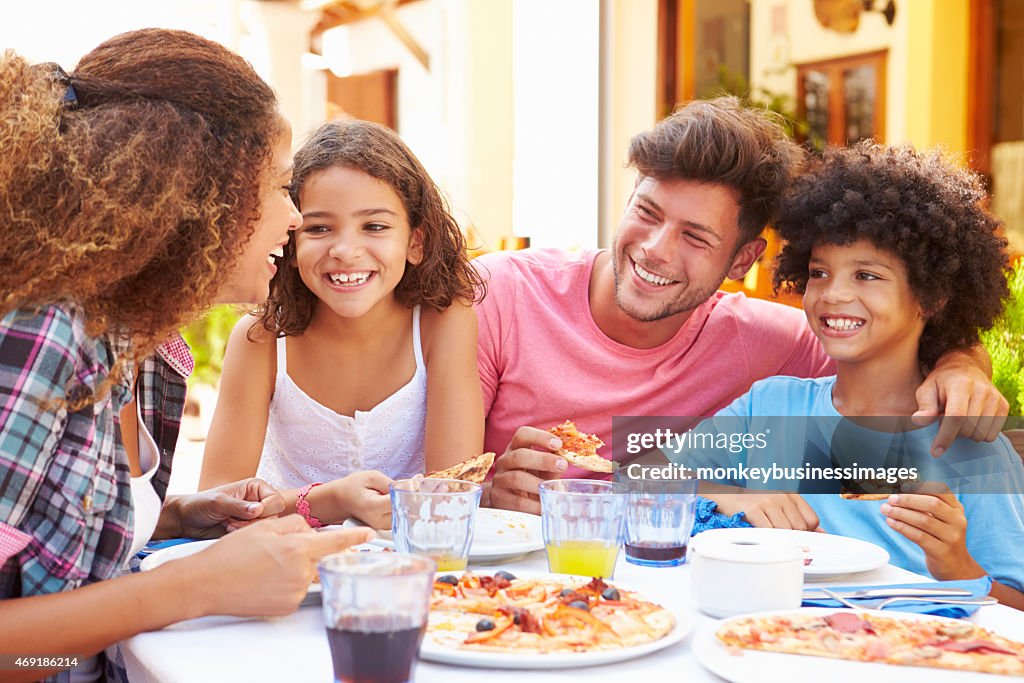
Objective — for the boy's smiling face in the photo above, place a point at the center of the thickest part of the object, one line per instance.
(860, 305)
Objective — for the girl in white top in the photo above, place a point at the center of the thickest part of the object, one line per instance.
(361, 367)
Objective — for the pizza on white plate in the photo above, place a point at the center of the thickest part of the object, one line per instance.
(503, 613)
(872, 637)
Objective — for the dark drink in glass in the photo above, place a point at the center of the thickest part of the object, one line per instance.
(374, 656)
(375, 609)
(656, 554)
(659, 518)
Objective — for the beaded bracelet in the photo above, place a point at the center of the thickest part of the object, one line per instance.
(302, 505)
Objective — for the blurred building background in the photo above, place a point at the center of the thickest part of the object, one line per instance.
(522, 109)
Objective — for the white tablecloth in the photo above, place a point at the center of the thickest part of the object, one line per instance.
(294, 648)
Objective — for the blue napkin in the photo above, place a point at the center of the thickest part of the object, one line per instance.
(152, 547)
(978, 587)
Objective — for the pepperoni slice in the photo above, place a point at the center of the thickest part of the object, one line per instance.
(973, 646)
(848, 622)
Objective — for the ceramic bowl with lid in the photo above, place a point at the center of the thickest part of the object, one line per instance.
(736, 571)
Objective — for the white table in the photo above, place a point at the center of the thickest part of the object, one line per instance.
(294, 648)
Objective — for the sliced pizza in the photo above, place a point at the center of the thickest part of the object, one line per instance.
(502, 613)
(870, 637)
(474, 469)
(581, 449)
(864, 496)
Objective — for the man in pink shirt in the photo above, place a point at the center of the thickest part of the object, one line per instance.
(642, 329)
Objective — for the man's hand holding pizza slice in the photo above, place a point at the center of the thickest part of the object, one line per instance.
(580, 449)
(536, 455)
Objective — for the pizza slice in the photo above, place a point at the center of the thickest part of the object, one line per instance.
(474, 469)
(864, 496)
(868, 637)
(581, 449)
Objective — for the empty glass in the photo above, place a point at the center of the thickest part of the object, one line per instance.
(434, 517)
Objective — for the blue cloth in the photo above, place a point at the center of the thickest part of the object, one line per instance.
(708, 517)
(979, 588)
(154, 546)
(995, 529)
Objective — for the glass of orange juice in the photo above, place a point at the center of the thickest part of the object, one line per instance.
(584, 525)
(434, 517)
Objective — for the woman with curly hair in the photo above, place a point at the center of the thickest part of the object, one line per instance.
(898, 262)
(362, 365)
(136, 191)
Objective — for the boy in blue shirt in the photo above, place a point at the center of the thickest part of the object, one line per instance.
(898, 262)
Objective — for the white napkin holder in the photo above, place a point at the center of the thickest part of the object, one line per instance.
(736, 571)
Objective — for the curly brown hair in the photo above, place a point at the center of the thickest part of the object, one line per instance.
(721, 141)
(134, 203)
(922, 207)
(444, 274)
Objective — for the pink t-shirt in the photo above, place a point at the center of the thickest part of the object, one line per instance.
(543, 359)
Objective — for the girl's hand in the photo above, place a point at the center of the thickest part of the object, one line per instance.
(264, 569)
(365, 495)
(934, 519)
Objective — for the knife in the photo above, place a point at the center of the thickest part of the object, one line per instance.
(869, 593)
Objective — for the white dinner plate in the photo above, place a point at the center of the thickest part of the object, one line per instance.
(774, 667)
(830, 555)
(498, 535)
(175, 552)
(433, 651)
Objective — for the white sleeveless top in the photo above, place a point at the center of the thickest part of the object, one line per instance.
(306, 441)
(145, 503)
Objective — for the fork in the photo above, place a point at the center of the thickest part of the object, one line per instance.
(986, 600)
(838, 598)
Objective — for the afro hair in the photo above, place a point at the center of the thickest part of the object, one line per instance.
(920, 206)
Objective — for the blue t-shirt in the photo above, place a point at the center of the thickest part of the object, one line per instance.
(988, 478)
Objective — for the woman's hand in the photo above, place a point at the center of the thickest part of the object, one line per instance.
(364, 495)
(264, 569)
(211, 513)
(935, 521)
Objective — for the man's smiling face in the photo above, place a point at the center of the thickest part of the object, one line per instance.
(676, 244)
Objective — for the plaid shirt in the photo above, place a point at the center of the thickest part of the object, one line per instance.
(65, 492)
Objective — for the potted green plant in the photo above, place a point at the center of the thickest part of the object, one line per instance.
(1005, 345)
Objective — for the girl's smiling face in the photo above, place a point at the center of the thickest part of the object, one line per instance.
(860, 305)
(355, 240)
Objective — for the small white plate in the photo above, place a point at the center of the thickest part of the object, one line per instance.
(831, 555)
(433, 651)
(754, 665)
(175, 552)
(498, 535)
